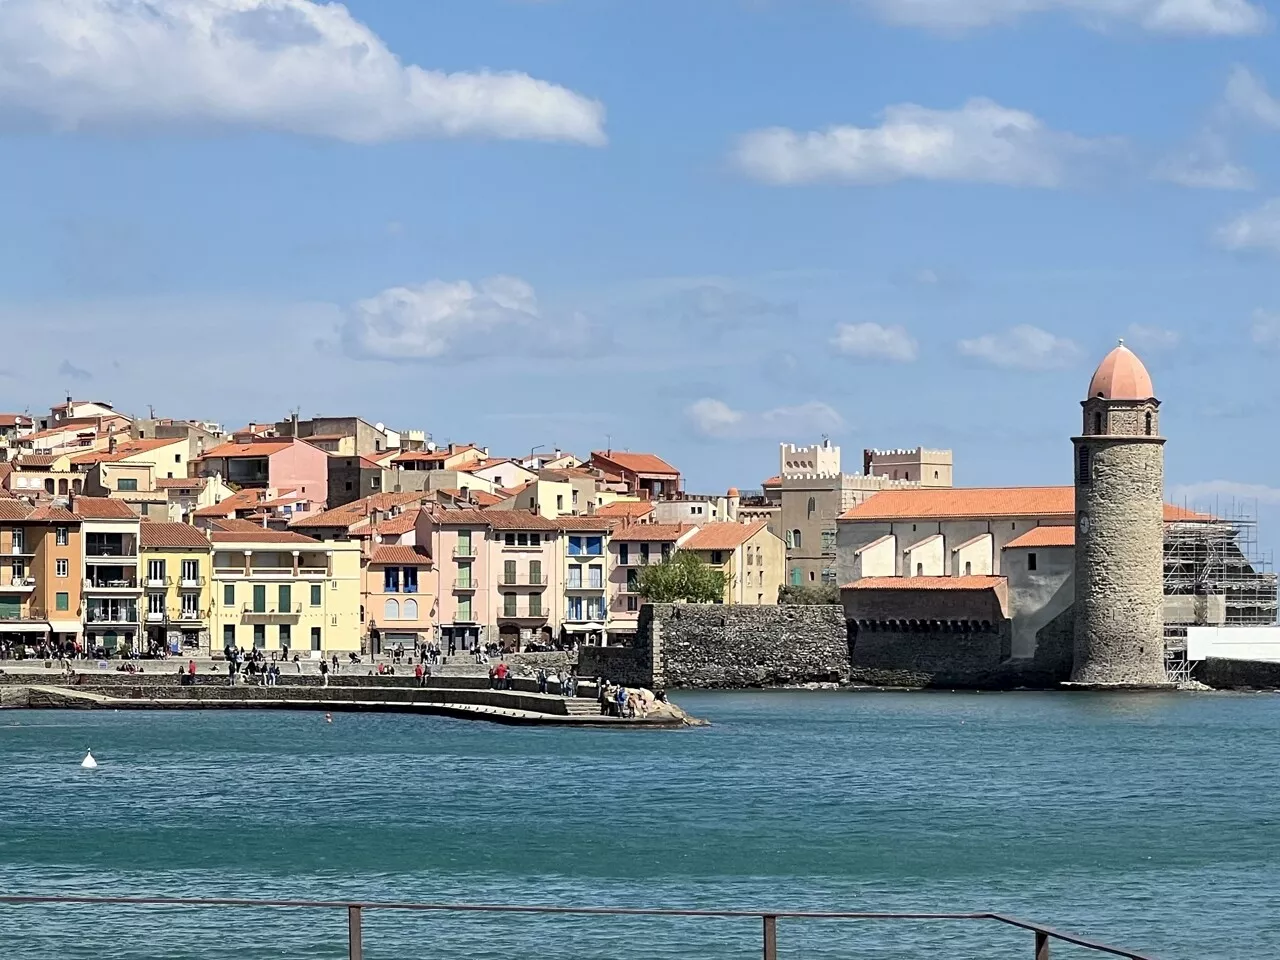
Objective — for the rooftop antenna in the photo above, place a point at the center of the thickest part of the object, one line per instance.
(608, 442)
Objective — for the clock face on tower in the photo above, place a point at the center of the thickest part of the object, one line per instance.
(1083, 523)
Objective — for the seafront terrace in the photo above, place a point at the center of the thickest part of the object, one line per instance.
(1039, 937)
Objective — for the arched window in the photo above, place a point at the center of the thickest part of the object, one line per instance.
(795, 539)
(391, 610)
(411, 609)
(1148, 424)
(968, 569)
(812, 576)
(935, 474)
(919, 569)
(813, 503)
(48, 485)
(62, 481)
(1097, 423)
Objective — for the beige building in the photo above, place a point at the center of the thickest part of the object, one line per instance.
(177, 587)
(752, 558)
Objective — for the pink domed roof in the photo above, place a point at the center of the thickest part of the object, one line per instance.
(1121, 376)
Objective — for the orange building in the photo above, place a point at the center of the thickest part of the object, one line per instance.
(41, 556)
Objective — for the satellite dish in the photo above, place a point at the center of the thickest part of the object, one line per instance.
(380, 426)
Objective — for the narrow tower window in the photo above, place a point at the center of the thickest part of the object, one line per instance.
(1082, 466)
(1097, 423)
(1148, 424)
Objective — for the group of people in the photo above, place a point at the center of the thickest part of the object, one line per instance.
(568, 682)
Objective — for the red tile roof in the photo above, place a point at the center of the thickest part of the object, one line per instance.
(14, 420)
(650, 532)
(587, 522)
(124, 450)
(924, 583)
(401, 555)
(983, 503)
(36, 460)
(625, 508)
(12, 509)
(261, 535)
(181, 483)
(1063, 535)
(102, 508)
(400, 524)
(352, 513)
(428, 456)
(723, 536)
(635, 462)
(172, 535)
(240, 500)
(234, 524)
(256, 448)
(53, 513)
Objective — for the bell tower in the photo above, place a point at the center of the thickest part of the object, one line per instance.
(1119, 482)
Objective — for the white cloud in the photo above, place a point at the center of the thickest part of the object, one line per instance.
(1022, 347)
(1207, 491)
(715, 419)
(1265, 331)
(1255, 230)
(1247, 98)
(1211, 17)
(498, 316)
(871, 341)
(982, 141)
(1205, 165)
(288, 65)
(1150, 338)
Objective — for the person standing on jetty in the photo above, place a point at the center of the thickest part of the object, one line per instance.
(324, 673)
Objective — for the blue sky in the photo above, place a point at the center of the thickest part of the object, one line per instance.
(698, 227)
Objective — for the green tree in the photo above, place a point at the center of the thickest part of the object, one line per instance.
(682, 577)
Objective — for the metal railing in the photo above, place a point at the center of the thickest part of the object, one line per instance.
(1042, 935)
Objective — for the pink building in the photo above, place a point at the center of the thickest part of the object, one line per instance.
(398, 598)
(281, 464)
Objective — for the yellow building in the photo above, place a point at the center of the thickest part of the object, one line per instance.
(177, 580)
(752, 558)
(274, 590)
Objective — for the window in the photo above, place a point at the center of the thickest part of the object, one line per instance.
(260, 636)
(1083, 475)
(410, 579)
(666, 551)
(177, 458)
(535, 605)
(919, 569)
(632, 605)
(509, 539)
(62, 568)
(48, 485)
(508, 571)
(968, 568)
(155, 604)
(573, 609)
(18, 569)
(644, 553)
(935, 474)
(586, 546)
(796, 539)
(315, 638)
(391, 580)
(751, 558)
(1031, 561)
(60, 535)
(228, 635)
(391, 609)
(17, 540)
(190, 571)
(464, 609)
(316, 594)
(812, 576)
(595, 608)
(535, 572)
(535, 539)
(595, 576)
(286, 598)
(229, 595)
(575, 576)
(464, 575)
(62, 601)
(348, 484)
(508, 604)
(812, 508)
(559, 502)
(286, 635)
(190, 606)
(155, 570)
(717, 557)
(127, 484)
(1148, 424)
(1097, 423)
(259, 598)
(410, 609)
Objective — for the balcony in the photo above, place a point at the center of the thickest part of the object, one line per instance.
(158, 583)
(18, 550)
(288, 615)
(516, 613)
(155, 616)
(106, 615)
(466, 585)
(584, 588)
(276, 573)
(313, 571)
(110, 585)
(191, 583)
(465, 552)
(530, 581)
(128, 550)
(18, 584)
(190, 616)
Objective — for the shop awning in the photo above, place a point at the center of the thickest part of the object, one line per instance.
(66, 626)
(23, 626)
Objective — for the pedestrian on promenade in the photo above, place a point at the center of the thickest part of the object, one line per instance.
(297, 663)
(493, 678)
(573, 683)
(542, 679)
(324, 673)
(418, 673)
(602, 694)
(335, 663)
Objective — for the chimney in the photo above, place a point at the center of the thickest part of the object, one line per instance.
(111, 444)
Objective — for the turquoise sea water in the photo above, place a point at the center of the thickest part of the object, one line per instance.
(1151, 821)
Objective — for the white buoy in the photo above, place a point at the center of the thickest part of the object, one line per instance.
(88, 762)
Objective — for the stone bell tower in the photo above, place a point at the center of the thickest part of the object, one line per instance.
(1119, 471)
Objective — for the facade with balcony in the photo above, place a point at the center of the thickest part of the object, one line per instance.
(399, 598)
(177, 586)
(585, 560)
(274, 590)
(280, 464)
(40, 571)
(110, 584)
(632, 547)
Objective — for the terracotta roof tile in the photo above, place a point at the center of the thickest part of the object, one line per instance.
(775, 481)
(982, 503)
(925, 583)
(400, 524)
(35, 460)
(1063, 535)
(172, 535)
(234, 524)
(405, 556)
(102, 508)
(256, 448)
(1176, 514)
(723, 536)
(588, 522)
(651, 532)
(240, 500)
(124, 450)
(12, 509)
(625, 508)
(53, 513)
(261, 535)
(635, 462)
(431, 456)
(181, 483)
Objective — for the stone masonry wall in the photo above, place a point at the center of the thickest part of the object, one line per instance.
(931, 656)
(712, 645)
(1119, 623)
(1222, 674)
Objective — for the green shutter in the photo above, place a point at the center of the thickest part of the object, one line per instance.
(316, 595)
(10, 608)
(62, 602)
(259, 598)
(229, 595)
(508, 571)
(286, 598)
(535, 572)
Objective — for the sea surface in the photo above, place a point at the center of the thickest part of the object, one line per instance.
(1148, 821)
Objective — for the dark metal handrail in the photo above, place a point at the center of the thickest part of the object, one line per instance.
(769, 918)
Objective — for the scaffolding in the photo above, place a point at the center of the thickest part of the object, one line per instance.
(1214, 575)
